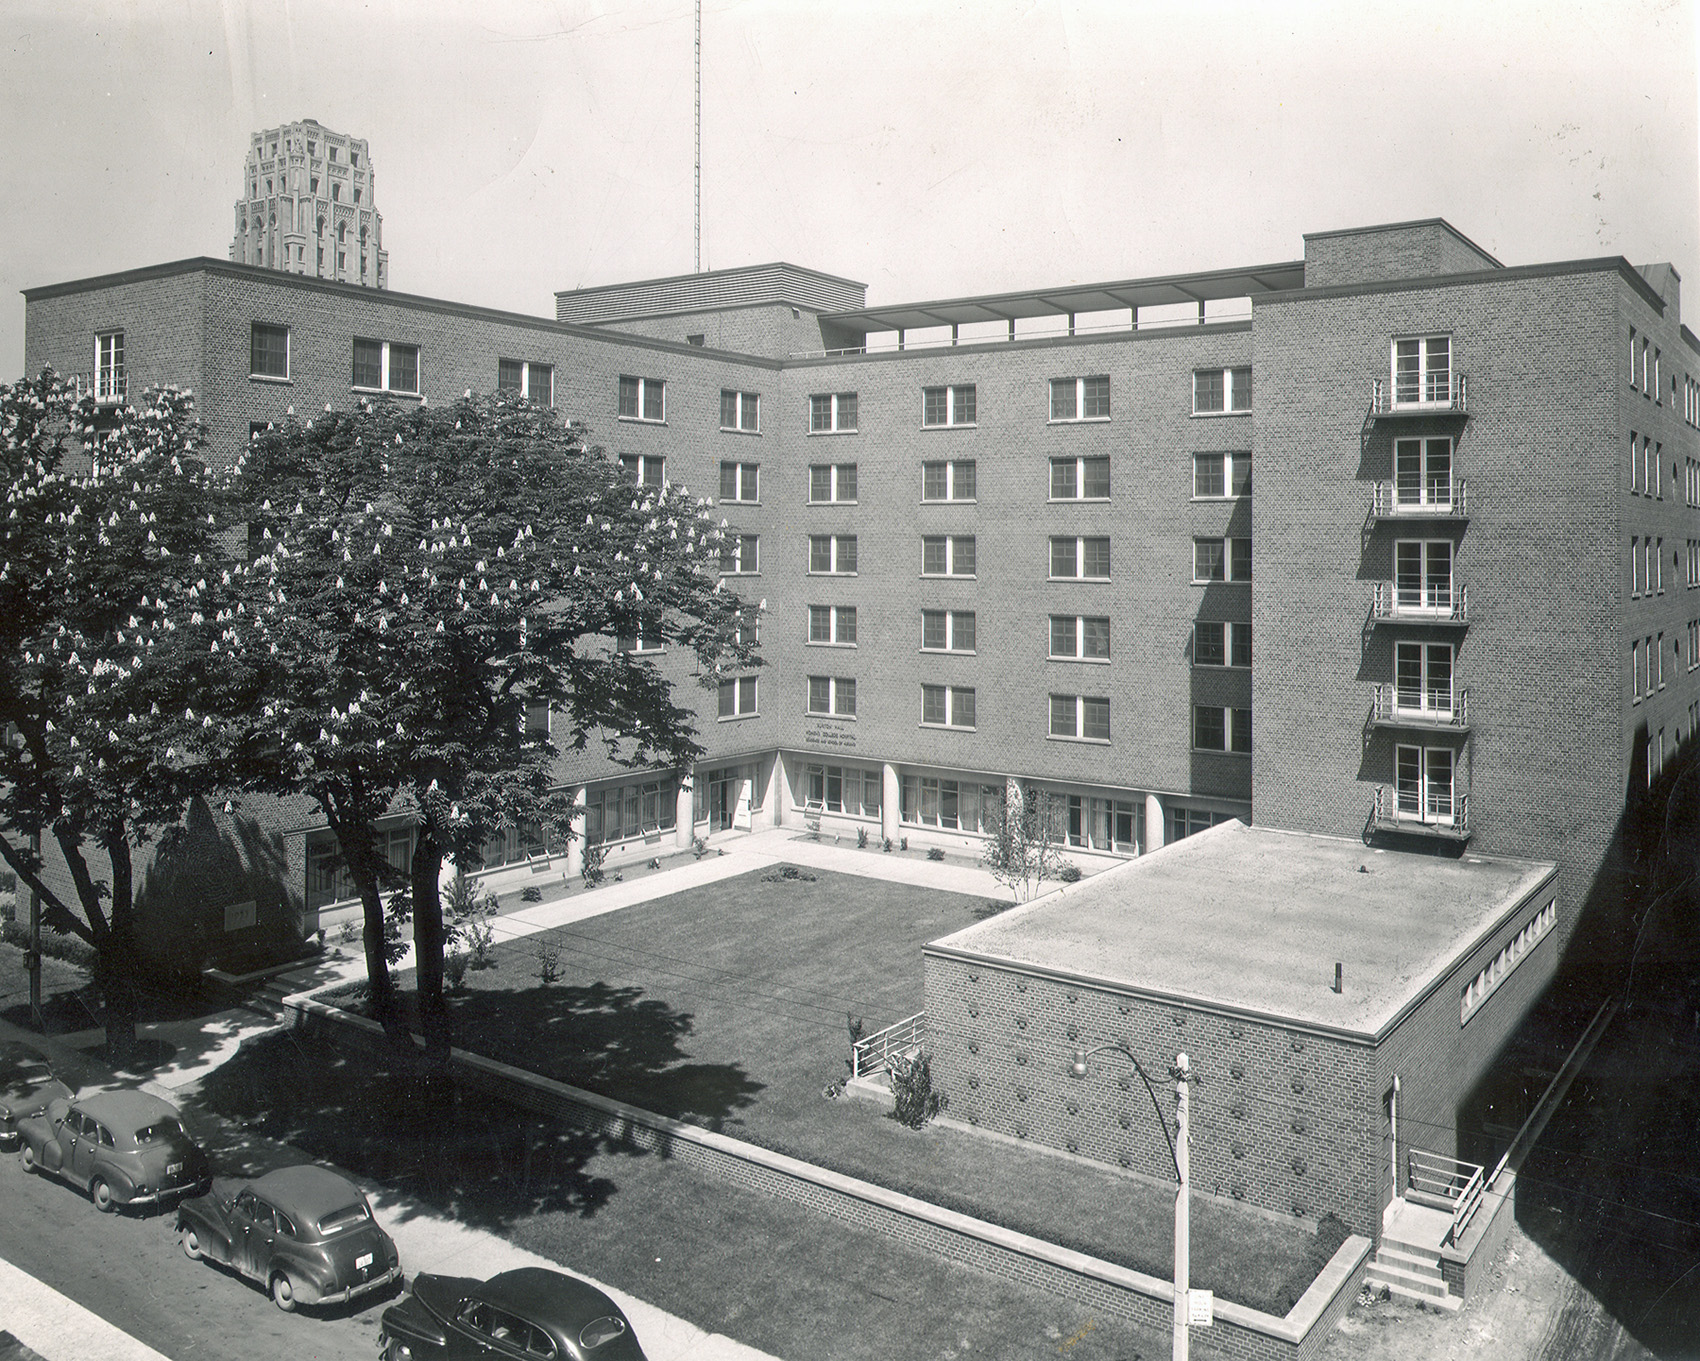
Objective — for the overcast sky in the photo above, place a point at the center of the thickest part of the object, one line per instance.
(926, 147)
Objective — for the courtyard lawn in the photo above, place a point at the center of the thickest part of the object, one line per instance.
(726, 1006)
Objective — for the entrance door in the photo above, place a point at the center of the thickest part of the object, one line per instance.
(722, 796)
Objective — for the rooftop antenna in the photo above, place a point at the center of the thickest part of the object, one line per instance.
(699, 138)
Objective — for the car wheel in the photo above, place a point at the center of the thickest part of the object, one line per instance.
(27, 1158)
(101, 1194)
(191, 1244)
(283, 1293)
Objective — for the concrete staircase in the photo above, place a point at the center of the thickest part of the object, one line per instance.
(1407, 1262)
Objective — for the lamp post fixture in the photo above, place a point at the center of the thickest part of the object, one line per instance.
(1178, 1151)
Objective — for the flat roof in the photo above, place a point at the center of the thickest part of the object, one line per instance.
(1251, 920)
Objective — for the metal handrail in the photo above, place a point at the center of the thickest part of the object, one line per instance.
(1387, 708)
(1437, 1175)
(1385, 814)
(1387, 606)
(1382, 401)
(874, 1051)
(1386, 505)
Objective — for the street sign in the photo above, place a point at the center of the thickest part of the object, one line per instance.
(1200, 1308)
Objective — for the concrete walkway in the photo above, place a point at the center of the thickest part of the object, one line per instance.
(58, 1328)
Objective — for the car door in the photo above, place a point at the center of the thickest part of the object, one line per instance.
(83, 1134)
(251, 1227)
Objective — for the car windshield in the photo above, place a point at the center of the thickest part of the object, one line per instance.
(167, 1128)
(345, 1218)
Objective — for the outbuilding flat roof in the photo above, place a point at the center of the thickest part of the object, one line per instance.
(1252, 920)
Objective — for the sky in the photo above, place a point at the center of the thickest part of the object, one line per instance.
(927, 148)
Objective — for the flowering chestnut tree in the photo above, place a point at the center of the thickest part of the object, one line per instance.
(110, 517)
(424, 582)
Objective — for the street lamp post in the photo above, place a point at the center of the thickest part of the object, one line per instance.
(1181, 1073)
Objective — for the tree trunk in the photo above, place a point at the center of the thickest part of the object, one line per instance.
(116, 965)
(357, 842)
(428, 942)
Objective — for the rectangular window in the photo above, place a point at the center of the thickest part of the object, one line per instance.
(1660, 653)
(1218, 476)
(527, 379)
(386, 366)
(1080, 479)
(268, 351)
(1082, 637)
(947, 630)
(947, 555)
(1658, 566)
(638, 644)
(642, 399)
(1423, 678)
(1080, 558)
(1086, 717)
(1422, 371)
(1221, 643)
(953, 481)
(1423, 783)
(833, 695)
(1215, 728)
(947, 706)
(740, 410)
(1634, 463)
(1422, 473)
(832, 625)
(740, 555)
(1423, 575)
(1080, 399)
(1636, 671)
(738, 697)
(832, 482)
(832, 413)
(1221, 560)
(1216, 391)
(740, 482)
(647, 470)
(948, 405)
(834, 553)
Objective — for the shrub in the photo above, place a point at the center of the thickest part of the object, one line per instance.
(350, 932)
(781, 874)
(591, 871)
(915, 1101)
(548, 961)
(454, 969)
(886, 845)
(903, 843)
(699, 847)
(71, 949)
(1069, 874)
(861, 838)
(935, 852)
(531, 893)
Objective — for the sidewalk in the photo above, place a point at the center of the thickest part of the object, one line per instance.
(58, 1328)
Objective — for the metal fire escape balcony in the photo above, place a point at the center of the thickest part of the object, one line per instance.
(1447, 824)
(1445, 607)
(1434, 396)
(1446, 500)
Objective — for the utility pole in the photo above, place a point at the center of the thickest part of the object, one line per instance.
(1183, 1224)
(32, 956)
(699, 138)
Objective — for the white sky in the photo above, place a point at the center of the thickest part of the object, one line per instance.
(926, 147)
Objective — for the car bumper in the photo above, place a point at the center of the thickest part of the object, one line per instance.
(165, 1193)
(348, 1293)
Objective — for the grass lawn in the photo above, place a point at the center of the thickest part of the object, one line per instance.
(725, 1005)
(61, 983)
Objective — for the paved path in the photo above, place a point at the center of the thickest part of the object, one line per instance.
(58, 1328)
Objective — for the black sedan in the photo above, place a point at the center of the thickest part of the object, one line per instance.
(530, 1313)
(27, 1084)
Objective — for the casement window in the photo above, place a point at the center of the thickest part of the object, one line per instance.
(268, 351)
(738, 697)
(1221, 560)
(1081, 399)
(1216, 477)
(1422, 574)
(638, 643)
(832, 625)
(953, 481)
(1221, 643)
(1656, 461)
(1083, 717)
(1080, 637)
(947, 630)
(953, 405)
(1422, 371)
(748, 628)
(1693, 643)
(834, 553)
(1423, 678)
(832, 482)
(1103, 824)
(1085, 559)
(740, 411)
(1653, 389)
(929, 802)
(1481, 987)
(947, 555)
(1422, 473)
(1636, 475)
(1185, 822)
(528, 379)
(1634, 365)
(1218, 391)
(740, 554)
(1215, 728)
(536, 721)
(740, 481)
(832, 695)
(1423, 783)
(841, 789)
(832, 413)
(642, 399)
(1658, 650)
(647, 470)
(1693, 563)
(1658, 556)
(386, 366)
(1080, 479)
(947, 706)
(1634, 565)
(110, 384)
(1637, 671)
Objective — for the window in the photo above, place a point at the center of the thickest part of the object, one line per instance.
(1422, 572)
(1660, 669)
(1422, 371)
(1633, 375)
(1422, 473)
(833, 625)
(1080, 399)
(947, 706)
(738, 697)
(1637, 671)
(1217, 391)
(947, 630)
(336, 191)
(1080, 479)
(1478, 989)
(1218, 729)
(1221, 643)
(1423, 783)
(647, 470)
(1082, 637)
(1083, 558)
(832, 413)
(109, 380)
(947, 555)
(832, 482)
(268, 351)
(740, 482)
(832, 553)
(1191, 821)
(638, 644)
(642, 399)
(1658, 564)
(959, 805)
(834, 695)
(385, 366)
(954, 481)
(1693, 643)
(1423, 678)
(841, 789)
(740, 410)
(1635, 561)
(1083, 717)
(948, 405)
(525, 378)
(739, 554)
(1218, 476)
(1221, 560)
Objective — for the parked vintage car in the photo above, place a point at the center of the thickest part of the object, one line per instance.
(304, 1233)
(530, 1313)
(27, 1084)
(123, 1148)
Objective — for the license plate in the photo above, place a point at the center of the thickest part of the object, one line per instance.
(173, 1169)
(363, 1261)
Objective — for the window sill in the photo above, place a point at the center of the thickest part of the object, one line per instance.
(945, 727)
(385, 392)
(1078, 420)
(831, 503)
(1221, 666)
(1077, 500)
(854, 430)
(949, 652)
(1076, 581)
(949, 576)
(735, 718)
(1217, 415)
(640, 420)
(744, 576)
(272, 379)
(730, 501)
(1225, 498)
(813, 642)
(1218, 751)
(724, 430)
(1246, 581)
(950, 500)
(841, 718)
(1089, 661)
(954, 425)
(1078, 741)
(813, 573)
